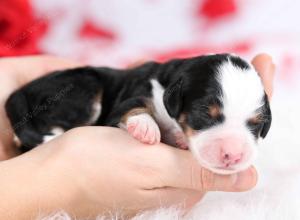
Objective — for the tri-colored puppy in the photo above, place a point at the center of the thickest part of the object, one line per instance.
(214, 105)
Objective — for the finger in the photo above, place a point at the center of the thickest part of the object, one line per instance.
(266, 68)
(241, 181)
(183, 171)
(7, 151)
(162, 166)
(30, 67)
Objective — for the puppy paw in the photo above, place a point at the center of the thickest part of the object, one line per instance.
(181, 140)
(143, 128)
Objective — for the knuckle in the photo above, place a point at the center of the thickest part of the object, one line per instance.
(207, 179)
(196, 177)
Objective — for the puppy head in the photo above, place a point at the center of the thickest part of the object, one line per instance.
(221, 105)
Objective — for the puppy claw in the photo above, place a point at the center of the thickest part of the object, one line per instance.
(143, 128)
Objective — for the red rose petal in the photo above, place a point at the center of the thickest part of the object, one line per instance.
(215, 9)
(20, 30)
(90, 30)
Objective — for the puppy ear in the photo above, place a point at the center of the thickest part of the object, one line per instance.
(265, 129)
(267, 124)
(173, 98)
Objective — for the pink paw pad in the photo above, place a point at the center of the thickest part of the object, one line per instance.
(143, 128)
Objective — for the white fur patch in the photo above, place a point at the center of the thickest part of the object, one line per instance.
(242, 89)
(143, 128)
(242, 95)
(55, 133)
(169, 126)
(161, 113)
(96, 112)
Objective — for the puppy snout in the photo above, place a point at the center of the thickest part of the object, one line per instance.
(231, 151)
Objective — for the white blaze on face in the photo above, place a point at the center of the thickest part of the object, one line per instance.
(230, 146)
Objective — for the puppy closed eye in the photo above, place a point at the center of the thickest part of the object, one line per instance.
(204, 114)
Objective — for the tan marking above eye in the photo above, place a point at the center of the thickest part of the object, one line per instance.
(214, 111)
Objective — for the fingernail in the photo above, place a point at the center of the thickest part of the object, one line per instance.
(246, 180)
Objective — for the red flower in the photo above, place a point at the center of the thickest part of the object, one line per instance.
(214, 9)
(19, 29)
(90, 30)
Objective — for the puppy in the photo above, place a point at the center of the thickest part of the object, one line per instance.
(214, 105)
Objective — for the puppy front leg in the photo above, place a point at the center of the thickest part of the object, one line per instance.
(140, 124)
(135, 116)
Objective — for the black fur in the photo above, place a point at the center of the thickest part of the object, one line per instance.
(265, 117)
(173, 98)
(64, 98)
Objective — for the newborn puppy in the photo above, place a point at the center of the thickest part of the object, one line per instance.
(214, 105)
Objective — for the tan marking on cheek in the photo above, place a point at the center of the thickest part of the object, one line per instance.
(189, 132)
(256, 119)
(186, 128)
(214, 111)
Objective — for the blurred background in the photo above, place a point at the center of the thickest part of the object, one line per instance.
(119, 33)
(116, 33)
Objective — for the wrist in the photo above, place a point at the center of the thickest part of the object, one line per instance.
(32, 185)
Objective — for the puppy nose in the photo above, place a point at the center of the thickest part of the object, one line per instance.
(228, 158)
(231, 151)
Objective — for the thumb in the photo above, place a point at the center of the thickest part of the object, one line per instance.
(238, 182)
(265, 67)
(184, 171)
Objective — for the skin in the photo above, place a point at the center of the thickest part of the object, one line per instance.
(85, 173)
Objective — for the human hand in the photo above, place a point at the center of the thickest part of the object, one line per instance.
(15, 72)
(266, 69)
(101, 170)
(78, 167)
